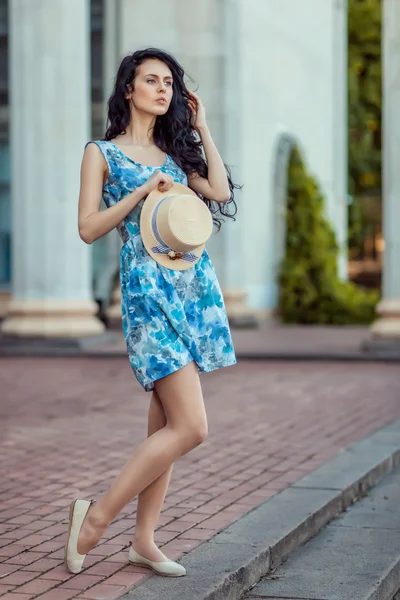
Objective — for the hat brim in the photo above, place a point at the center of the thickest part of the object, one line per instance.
(147, 235)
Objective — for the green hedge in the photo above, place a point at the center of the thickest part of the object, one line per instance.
(364, 94)
(310, 289)
(364, 119)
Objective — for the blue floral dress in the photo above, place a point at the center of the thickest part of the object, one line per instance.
(169, 317)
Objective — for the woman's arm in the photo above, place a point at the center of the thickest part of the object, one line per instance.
(216, 186)
(93, 223)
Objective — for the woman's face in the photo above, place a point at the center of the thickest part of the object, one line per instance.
(152, 88)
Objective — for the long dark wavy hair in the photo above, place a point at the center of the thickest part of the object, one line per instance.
(173, 132)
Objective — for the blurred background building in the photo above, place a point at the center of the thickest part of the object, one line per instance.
(271, 75)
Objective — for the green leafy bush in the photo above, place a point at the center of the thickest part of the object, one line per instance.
(365, 94)
(310, 289)
(364, 116)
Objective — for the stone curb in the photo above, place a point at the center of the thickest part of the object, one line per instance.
(226, 566)
(355, 556)
(389, 585)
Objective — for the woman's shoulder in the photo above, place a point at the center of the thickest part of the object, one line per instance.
(99, 153)
(100, 143)
(106, 149)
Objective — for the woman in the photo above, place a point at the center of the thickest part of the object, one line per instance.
(174, 321)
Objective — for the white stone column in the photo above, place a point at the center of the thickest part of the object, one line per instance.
(340, 143)
(196, 33)
(125, 31)
(209, 51)
(388, 326)
(234, 270)
(201, 53)
(50, 124)
(149, 23)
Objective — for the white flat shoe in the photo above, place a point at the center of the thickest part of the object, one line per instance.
(168, 568)
(77, 513)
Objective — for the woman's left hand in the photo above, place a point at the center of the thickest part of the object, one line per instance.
(198, 111)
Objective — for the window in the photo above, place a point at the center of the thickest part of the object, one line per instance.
(97, 16)
(3, 72)
(5, 208)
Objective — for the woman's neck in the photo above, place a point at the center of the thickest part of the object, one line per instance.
(140, 130)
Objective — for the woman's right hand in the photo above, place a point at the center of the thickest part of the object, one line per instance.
(159, 180)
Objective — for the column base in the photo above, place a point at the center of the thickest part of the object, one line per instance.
(47, 319)
(384, 337)
(388, 325)
(388, 329)
(239, 314)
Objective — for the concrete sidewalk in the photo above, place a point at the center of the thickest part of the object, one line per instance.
(68, 426)
(271, 341)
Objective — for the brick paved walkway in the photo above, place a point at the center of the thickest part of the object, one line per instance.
(68, 426)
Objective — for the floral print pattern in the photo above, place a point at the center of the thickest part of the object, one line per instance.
(169, 317)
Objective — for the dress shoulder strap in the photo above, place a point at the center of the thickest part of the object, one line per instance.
(106, 151)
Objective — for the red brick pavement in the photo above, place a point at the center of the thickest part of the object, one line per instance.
(68, 426)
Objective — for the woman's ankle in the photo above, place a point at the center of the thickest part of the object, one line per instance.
(97, 518)
(143, 538)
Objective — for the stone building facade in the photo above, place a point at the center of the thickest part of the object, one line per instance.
(264, 71)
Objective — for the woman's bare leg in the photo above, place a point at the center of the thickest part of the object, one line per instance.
(186, 428)
(151, 499)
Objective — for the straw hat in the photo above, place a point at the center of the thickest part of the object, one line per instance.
(175, 226)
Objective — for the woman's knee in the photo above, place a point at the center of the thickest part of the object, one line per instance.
(182, 399)
(198, 433)
(195, 433)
